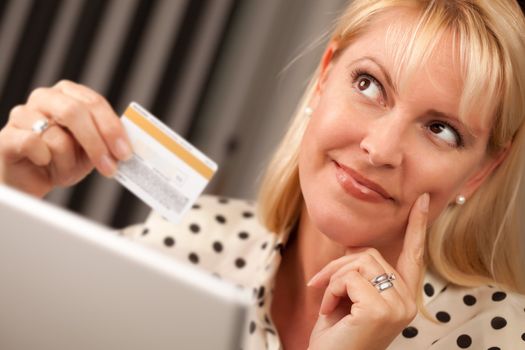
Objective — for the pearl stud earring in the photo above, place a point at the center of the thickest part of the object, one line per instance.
(460, 199)
(308, 111)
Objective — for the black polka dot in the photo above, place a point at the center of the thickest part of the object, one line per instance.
(195, 228)
(169, 242)
(244, 235)
(261, 303)
(469, 300)
(443, 316)
(247, 214)
(252, 327)
(523, 337)
(240, 263)
(194, 258)
(264, 245)
(145, 231)
(269, 330)
(498, 322)
(410, 332)
(223, 200)
(220, 219)
(429, 289)
(260, 294)
(494, 348)
(217, 246)
(267, 319)
(195, 206)
(464, 341)
(499, 296)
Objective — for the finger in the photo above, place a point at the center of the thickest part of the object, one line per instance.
(59, 141)
(321, 278)
(370, 268)
(73, 115)
(410, 261)
(18, 144)
(365, 264)
(367, 254)
(106, 120)
(77, 91)
(355, 287)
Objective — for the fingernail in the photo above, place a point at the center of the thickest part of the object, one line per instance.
(312, 280)
(108, 165)
(424, 202)
(122, 149)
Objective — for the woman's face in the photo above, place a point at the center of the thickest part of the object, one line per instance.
(372, 147)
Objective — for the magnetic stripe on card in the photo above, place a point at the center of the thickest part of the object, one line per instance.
(169, 143)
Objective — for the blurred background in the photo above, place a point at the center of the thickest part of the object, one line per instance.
(224, 74)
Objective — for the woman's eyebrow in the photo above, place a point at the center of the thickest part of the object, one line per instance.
(384, 71)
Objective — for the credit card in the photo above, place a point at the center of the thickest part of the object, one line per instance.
(166, 171)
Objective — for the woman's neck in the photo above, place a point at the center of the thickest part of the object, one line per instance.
(315, 250)
(296, 307)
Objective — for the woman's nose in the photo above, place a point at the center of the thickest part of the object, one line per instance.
(382, 143)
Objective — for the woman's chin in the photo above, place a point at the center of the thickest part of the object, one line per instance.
(351, 229)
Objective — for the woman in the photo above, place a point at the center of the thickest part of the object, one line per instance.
(413, 120)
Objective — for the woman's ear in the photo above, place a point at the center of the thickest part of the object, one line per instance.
(326, 65)
(489, 166)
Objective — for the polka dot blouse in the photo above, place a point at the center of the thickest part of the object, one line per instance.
(224, 237)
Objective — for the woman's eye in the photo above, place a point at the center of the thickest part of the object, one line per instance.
(369, 87)
(446, 133)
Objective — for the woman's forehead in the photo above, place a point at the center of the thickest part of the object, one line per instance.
(429, 61)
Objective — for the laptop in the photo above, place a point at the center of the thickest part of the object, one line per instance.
(69, 283)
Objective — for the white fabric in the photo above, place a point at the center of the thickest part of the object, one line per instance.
(224, 237)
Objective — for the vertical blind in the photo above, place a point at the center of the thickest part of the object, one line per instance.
(210, 69)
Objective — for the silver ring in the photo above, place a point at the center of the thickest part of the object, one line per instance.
(381, 278)
(40, 126)
(384, 286)
(383, 281)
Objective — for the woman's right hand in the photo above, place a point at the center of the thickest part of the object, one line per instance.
(84, 133)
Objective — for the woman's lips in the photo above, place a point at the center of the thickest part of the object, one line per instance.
(358, 186)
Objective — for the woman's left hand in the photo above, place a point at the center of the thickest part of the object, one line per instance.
(354, 314)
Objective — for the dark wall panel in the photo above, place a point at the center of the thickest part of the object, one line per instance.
(27, 55)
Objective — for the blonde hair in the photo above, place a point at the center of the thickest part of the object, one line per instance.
(479, 242)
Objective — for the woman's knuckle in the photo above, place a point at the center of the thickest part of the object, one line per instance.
(97, 100)
(63, 82)
(373, 252)
(111, 130)
(67, 111)
(17, 112)
(24, 144)
(366, 259)
(332, 280)
(37, 94)
(62, 144)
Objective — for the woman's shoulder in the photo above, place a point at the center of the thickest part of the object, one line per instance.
(458, 317)
(488, 317)
(222, 235)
